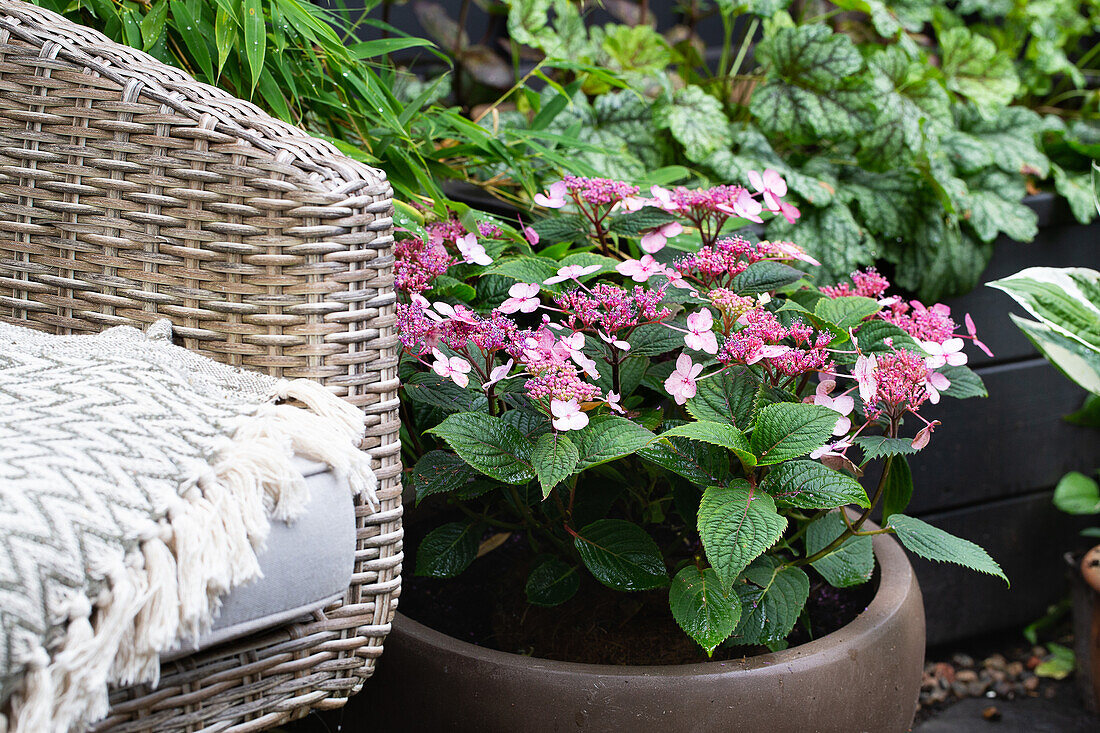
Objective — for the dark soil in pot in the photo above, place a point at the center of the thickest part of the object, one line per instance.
(486, 606)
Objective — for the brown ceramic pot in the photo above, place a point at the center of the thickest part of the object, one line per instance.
(863, 677)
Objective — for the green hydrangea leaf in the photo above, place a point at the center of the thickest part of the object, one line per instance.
(810, 485)
(716, 433)
(438, 472)
(431, 389)
(551, 582)
(898, 488)
(791, 430)
(737, 524)
(850, 564)
(621, 555)
(700, 463)
(772, 599)
(448, 550)
(882, 446)
(727, 397)
(965, 382)
(553, 458)
(764, 277)
(702, 607)
(608, 437)
(932, 543)
(489, 445)
(846, 312)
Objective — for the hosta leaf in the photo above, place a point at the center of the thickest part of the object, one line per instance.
(438, 472)
(1069, 356)
(810, 485)
(621, 555)
(850, 564)
(703, 608)
(489, 444)
(551, 583)
(965, 383)
(1066, 299)
(727, 397)
(737, 524)
(1076, 493)
(932, 543)
(897, 489)
(975, 68)
(771, 602)
(791, 430)
(448, 550)
(696, 120)
(881, 446)
(763, 277)
(554, 458)
(608, 437)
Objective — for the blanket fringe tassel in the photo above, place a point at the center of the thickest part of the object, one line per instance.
(168, 588)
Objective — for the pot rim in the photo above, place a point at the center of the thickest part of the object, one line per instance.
(896, 576)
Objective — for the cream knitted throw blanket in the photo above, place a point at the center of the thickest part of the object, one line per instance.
(137, 481)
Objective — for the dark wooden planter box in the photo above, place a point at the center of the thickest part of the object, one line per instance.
(991, 469)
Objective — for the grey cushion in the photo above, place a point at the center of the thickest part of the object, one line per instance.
(306, 565)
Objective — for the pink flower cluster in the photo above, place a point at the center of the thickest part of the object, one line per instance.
(417, 263)
(591, 191)
(868, 284)
(761, 338)
(610, 309)
(897, 382)
(922, 323)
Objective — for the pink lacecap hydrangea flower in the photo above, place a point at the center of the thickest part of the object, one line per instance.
(681, 383)
(567, 415)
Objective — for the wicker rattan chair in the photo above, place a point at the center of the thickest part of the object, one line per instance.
(128, 193)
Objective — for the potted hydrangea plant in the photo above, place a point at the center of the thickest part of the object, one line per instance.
(650, 405)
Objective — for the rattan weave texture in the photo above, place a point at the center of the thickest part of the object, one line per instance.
(130, 192)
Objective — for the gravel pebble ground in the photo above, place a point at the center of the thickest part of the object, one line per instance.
(996, 680)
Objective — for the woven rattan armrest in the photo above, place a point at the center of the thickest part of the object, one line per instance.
(129, 193)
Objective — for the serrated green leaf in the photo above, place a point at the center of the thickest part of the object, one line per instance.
(764, 277)
(553, 458)
(635, 223)
(771, 601)
(810, 485)
(621, 555)
(965, 382)
(551, 583)
(654, 339)
(432, 389)
(696, 120)
(716, 433)
(489, 445)
(846, 312)
(791, 430)
(525, 269)
(881, 446)
(448, 550)
(703, 609)
(932, 543)
(850, 564)
(700, 463)
(608, 437)
(438, 472)
(872, 337)
(727, 397)
(561, 228)
(1076, 493)
(737, 524)
(897, 489)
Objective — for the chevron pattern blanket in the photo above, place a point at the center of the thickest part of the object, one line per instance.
(137, 481)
